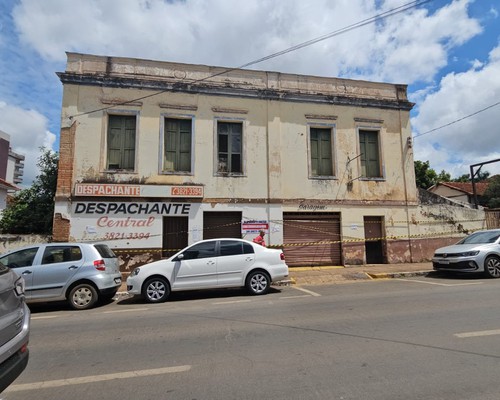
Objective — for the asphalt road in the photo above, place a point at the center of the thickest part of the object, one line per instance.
(418, 338)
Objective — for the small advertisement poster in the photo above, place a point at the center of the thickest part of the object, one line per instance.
(254, 227)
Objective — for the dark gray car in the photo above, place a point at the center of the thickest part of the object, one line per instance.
(80, 273)
(14, 327)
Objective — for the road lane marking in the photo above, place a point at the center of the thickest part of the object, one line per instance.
(44, 317)
(295, 297)
(440, 284)
(233, 301)
(96, 378)
(478, 333)
(307, 291)
(126, 310)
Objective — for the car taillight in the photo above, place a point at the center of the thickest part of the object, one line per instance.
(100, 265)
(24, 348)
(282, 256)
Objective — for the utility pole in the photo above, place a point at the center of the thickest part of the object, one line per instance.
(473, 174)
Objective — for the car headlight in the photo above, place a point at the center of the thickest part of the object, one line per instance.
(136, 271)
(469, 253)
(19, 287)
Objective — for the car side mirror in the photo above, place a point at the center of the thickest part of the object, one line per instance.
(180, 257)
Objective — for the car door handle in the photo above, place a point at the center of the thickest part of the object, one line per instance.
(73, 267)
(210, 262)
(249, 259)
(27, 272)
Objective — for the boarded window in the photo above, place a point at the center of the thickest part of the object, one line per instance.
(321, 152)
(121, 142)
(177, 145)
(229, 147)
(370, 157)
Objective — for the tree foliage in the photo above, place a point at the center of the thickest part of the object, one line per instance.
(32, 209)
(480, 176)
(426, 176)
(491, 197)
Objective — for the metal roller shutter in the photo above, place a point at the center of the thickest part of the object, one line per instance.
(221, 224)
(302, 229)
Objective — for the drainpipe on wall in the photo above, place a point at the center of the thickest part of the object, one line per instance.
(268, 169)
(405, 148)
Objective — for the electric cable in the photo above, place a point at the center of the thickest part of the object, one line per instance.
(367, 21)
(457, 120)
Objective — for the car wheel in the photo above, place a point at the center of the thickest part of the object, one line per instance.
(258, 282)
(492, 267)
(156, 290)
(82, 296)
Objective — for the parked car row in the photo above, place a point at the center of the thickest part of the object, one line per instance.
(83, 273)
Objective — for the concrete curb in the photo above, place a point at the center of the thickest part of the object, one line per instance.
(392, 275)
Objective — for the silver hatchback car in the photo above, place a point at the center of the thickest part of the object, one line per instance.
(478, 252)
(14, 327)
(80, 273)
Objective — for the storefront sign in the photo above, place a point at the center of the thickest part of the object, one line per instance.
(254, 226)
(125, 221)
(187, 191)
(131, 208)
(130, 190)
(312, 207)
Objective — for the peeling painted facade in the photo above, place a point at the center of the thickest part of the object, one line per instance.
(155, 155)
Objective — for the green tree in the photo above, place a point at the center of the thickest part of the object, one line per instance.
(426, 176)
(491, 197)
(443, 176)
(481, 176)
(32, 209)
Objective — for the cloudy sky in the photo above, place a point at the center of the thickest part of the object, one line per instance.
(447, 51)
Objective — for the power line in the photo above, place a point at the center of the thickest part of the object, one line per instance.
(457, 120)
(378, 17)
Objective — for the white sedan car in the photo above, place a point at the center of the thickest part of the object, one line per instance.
(210, 264)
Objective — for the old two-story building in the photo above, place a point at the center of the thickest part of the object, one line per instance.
(157, 155)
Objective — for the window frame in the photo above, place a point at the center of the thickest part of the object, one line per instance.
(333, 158)
(217, 171)
(120, 113)
(201, 245)
(381, 168)
(162, 148)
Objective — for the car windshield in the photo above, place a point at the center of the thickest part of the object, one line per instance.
(481, 237)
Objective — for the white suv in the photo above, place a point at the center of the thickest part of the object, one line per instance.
(80, 273)
(14, 327)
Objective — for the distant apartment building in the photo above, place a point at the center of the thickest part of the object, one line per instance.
(157, 155)
(11, 169)
(15, 167)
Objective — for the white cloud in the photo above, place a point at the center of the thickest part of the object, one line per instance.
(404, 48)
(28, 132)
(472, 140)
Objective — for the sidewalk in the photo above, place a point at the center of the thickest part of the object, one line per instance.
(331, 275)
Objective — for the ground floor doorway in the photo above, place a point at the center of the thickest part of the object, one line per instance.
(175, 235)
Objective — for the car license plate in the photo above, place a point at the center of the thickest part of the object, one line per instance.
(118, 280)
(444, 261)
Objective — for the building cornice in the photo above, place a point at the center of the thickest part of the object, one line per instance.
(214, 89)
